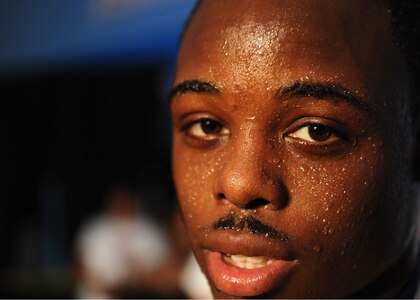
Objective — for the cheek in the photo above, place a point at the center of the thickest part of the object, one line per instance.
(342, 209)
(330, 200)
(194, 173)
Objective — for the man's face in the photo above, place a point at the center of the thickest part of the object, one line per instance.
(292, 147)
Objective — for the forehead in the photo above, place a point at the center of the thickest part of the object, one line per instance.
(280, 41)
(306, 21)
(281, 19)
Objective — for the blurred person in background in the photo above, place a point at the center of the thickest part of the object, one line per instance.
(192, 281)
(118, 249)
(180, 276)
(75, 122)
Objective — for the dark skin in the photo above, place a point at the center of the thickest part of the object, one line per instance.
(297, 114)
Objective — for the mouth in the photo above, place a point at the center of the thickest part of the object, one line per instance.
(240, 275)
(247, 262)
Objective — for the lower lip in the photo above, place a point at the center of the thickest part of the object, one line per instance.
(236, 281)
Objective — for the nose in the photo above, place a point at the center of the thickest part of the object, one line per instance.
(248, 179)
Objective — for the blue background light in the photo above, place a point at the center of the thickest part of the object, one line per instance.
(85, 85)
(46, 33)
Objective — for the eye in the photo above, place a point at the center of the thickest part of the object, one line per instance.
(314, 132)
(206, 128)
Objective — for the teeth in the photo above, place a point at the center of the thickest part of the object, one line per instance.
(238, 258)
(256, 259)
(247, 262)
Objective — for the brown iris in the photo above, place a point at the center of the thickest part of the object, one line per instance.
(319, 132)
(210, 126)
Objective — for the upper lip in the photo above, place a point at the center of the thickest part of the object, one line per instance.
(250, 224)
(248, 244)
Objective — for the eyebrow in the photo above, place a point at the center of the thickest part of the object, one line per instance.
(195, 86)
(318, 90)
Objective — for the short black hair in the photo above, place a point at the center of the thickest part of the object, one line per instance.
(405, 28)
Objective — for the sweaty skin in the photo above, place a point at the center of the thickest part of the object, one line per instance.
(293, 140)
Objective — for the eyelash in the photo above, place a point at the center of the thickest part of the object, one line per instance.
(204, 138)
(334, 139)
(337, 142)
(323, 131)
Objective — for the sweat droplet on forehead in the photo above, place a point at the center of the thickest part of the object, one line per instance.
(252, 44)
(252, 38)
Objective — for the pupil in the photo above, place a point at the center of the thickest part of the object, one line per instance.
(210, 126)
(319, 132)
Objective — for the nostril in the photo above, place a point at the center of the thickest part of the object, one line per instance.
(259, 202)
(221, 196)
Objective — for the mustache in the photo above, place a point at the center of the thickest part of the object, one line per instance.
(250, 224)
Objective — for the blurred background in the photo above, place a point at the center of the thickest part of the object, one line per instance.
(85, 137)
